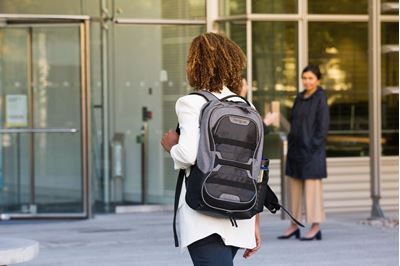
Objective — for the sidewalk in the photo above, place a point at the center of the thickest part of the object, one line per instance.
(146, 239)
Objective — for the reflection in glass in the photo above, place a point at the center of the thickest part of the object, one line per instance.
(274, 71)
(96, 111)
(338, 7)
(274, 6)
(343, 58)
(232, 7)
(390, 88)
(167, 9)
(14, 159)
(41, 172)
(236, 31)
(389, 7)
(149, 72)
(70, 7)
(56, 104)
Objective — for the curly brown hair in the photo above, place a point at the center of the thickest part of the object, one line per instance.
(215, 61)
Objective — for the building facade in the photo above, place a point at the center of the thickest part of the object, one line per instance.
(87, 88)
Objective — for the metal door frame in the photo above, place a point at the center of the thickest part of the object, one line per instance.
(30, 21)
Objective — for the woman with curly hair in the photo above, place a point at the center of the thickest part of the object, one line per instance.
(214, 64)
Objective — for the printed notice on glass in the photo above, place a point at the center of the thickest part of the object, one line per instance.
(16, 110)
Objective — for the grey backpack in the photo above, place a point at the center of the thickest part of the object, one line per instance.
(226, 180)
(223, 182)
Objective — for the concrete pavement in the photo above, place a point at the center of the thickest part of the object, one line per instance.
(146, 238)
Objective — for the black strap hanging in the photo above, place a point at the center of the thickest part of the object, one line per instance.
(178, 189)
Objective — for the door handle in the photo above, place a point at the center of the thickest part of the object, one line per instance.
(38, 130)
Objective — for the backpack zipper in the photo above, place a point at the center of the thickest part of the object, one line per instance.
(233, 220)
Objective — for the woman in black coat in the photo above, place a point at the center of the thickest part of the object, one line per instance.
(306, 158)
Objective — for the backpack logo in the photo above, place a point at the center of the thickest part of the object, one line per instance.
(239, 121)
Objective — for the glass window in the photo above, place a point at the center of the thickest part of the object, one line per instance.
(91, 8)
(149, 72)
(232, 7)
(40, 172)
(275, 77)
(175, 43)
(236, 31)
(389, 7)
(343, 58)
(338, 7)
(167, 9)
(390, 88)
(96, 109)
(274, 6)
(71, 7)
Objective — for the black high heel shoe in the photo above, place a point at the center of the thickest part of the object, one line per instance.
(295, 233)
(317, 236)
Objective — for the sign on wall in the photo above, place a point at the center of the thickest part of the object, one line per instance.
(16, 110)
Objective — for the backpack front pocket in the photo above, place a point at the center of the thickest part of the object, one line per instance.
(229, 189)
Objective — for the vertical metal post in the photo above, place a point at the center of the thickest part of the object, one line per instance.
(144, 152)
(85, 117)
(32, 205)
(249, 49)
(374, 68)
(19, 168)
(105, 104)
(284, 185)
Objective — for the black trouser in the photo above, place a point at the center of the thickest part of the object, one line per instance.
(211, 251)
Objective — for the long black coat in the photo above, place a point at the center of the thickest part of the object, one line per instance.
(306, 158)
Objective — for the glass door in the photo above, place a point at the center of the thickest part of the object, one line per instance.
(43, 129)
(149, 77)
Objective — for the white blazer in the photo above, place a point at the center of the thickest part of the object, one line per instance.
(194, 225)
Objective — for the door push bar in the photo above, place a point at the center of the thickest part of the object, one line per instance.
(38, 130)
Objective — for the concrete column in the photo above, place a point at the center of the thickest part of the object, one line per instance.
(375, 105)
(212, 15)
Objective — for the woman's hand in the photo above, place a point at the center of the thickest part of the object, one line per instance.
(270, 118)
(169, 139)
(249, 252)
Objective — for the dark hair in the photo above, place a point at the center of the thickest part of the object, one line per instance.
(314, 69)
(215, 61)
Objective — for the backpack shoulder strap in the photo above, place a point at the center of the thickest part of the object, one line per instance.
(235, 96)
(206, 95)
(210, 97)
(178, 189)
